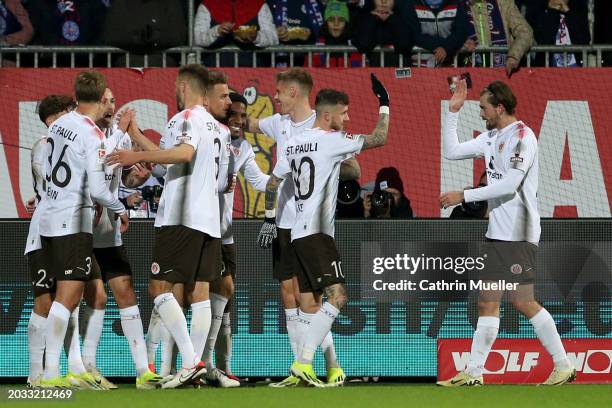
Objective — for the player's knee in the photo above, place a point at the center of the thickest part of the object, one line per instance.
(528, 308)
(228, 288)
(486, 308)
(42, 305)
(336, 295)
(124, 296)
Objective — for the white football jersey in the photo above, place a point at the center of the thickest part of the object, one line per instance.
(313, 160)
(38, 158)
(190, 191)
(281, 128)
(106, 233)
(74, 175)
(242, 159)
(512, 217)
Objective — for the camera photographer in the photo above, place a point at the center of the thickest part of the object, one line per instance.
(388, 199)
(142, 202)
(477, 209)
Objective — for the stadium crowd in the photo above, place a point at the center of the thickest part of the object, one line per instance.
(442, 27)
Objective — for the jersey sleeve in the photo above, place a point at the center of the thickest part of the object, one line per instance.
(452, 149)
(184, 130)
(269, 124)
(39, 154)
(282, 168)
(252, 173)
(345, 145)
(94, 159)
(524, 151)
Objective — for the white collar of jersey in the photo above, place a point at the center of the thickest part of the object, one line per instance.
(298, 124)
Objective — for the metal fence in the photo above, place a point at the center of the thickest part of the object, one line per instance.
(88, 56)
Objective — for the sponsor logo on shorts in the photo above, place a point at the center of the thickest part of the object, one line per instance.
(68, 272)
(154, 268)
(516, 269)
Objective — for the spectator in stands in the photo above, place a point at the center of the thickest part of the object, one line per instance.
(15, 28)
(382, 24)
(559, 22)
(441, 27)
(498, 22)
(59, 22)
(145, 27)
(388, 199)
(336, 31)
(298, 22)
(247, 24)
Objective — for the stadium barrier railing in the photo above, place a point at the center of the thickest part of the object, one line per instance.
(592, 55)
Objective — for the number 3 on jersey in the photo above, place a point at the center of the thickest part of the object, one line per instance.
(303, 177)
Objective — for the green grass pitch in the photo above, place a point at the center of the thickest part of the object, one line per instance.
(351, 396)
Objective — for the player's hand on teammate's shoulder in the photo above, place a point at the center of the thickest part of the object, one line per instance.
(122, 157)
(380, 91)
(459, 96)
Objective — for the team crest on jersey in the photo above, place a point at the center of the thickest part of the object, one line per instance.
(235, 150)
(101, 155)
(154, 268)
(516, 269)
(501, 147)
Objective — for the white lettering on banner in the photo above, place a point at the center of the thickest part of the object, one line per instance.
(510, 361)
(586, 190)
(8, 208)
(587, 362)
(457, 174)
(151, 114)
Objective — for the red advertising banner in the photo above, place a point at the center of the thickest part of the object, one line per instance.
(568, 109)
(525, 361)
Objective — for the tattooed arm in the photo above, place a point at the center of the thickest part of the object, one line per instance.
(378, 137)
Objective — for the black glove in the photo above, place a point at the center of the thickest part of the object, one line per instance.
(379, 90)
(267, 233)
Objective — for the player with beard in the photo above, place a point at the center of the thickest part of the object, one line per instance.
(293, 88)
(187, 245)
(112, 261)
(238, 156)
(313, 159)
(510, 149)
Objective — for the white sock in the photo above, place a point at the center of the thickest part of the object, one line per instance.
(94, 323)
(167, 354)
(200, 325)
(484, 337)
(223, 347)
(36, 344)
(320, 325)
(544, 326)
(327, 346)
(75, 360)
(57, 323)
(153, 336)
(302, 326)
(291, 317)
(174, 320)
(132, 328)
(217, 303)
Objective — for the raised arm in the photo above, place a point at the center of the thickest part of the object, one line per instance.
(378, 137)
(451, 148)
(182, 153)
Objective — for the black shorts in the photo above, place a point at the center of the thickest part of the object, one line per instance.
(185, 255)
(319, 262)
(41, 273)
(512, 261)
(71, 256)
(113, 262)
(228, 254)
(284, 260)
